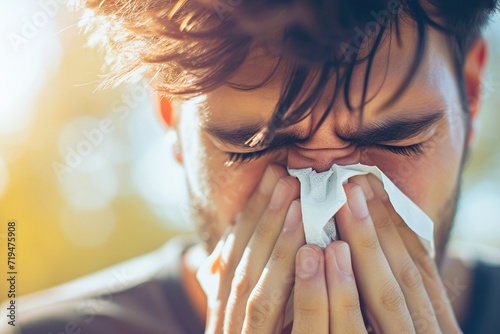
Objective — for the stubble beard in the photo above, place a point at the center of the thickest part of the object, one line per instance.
(205, 221)
(449, 212)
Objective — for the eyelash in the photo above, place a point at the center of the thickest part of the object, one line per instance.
(410, 150)
(245, 157)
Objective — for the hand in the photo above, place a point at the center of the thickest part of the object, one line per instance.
(391, 272)
(249, 276)
(397, 281)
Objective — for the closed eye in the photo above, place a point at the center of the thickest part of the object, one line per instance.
(409, 150)
(233, 157)
(246, 157)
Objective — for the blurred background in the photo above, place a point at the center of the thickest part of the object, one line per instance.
(89, 176)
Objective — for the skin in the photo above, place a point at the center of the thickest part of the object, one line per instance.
(379, 270)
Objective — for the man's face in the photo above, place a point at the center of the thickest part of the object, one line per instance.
(418, 141)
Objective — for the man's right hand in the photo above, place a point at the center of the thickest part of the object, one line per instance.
(249, 276)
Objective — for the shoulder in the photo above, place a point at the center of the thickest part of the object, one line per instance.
(132, 297)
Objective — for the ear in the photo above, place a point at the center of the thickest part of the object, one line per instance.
(166, 110)
(168, 116)
(475, 64)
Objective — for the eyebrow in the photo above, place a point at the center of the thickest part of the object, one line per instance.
(394, 129)
(238, 136)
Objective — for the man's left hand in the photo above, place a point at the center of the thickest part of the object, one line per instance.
(380, 269)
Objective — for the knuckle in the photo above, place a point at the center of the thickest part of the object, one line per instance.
(265, 229)
(427, 265)
(424, 320)
(308, 312)
(250, 214)
(259, 200)
(349, 302)
(279, 254)
(259, 310)
(391, 297)
(310, 307)
(399, 222)
(242, 284)
(386, 201)
(369, 242)
(384, 222)
(254, 208)
(288, 277)
(410, 276)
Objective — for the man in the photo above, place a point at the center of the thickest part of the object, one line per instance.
(255, 87)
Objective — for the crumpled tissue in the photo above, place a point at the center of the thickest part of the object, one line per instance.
(322, 195)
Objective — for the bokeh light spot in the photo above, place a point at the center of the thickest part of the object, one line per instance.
(88, 228)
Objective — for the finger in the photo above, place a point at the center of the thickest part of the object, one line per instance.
(267, 302)
(344, 306)
(257, 252)
(208, 275)
(221, 264)
(310, 293)
(426, 267)
(399, 259)
(246, 221)
(379, 289)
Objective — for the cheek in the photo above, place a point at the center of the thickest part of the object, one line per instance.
(428, 180)
(234, 189)
(221, 191)
(412, 175)
(230, 187)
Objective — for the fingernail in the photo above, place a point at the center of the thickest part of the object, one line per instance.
(268, 181)
(308, 263)
(362, 181)
(357, 203)
(293, 217)
(280, 195)
(343, 258)
(377, 187)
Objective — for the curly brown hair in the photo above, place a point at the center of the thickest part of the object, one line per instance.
(194, 46)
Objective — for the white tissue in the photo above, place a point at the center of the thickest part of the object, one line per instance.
(322, 195)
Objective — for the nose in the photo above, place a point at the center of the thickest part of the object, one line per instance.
(323, 149)
(322, 159)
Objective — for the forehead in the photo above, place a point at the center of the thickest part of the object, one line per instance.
(430, 88)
